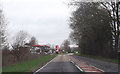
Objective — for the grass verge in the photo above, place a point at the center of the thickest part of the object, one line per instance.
(27, 65)
(98, 58)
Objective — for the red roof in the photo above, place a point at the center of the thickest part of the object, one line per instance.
(36, 45)
(41, 46)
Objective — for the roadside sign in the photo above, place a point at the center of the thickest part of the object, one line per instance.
(56, 46)
(57, 49)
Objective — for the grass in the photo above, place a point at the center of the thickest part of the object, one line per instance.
(27, 65)
(98, 58)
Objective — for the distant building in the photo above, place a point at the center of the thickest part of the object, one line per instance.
(39, 49)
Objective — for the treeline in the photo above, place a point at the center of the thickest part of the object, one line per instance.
(66, 46)
(95, 28)
(19, 50)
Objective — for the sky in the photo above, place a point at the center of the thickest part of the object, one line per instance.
(47, 20)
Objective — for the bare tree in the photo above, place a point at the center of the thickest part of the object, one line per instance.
(33, 41)
(2, 29)
(18, 46)
(113, 9)
(20, 38)
(66, 46)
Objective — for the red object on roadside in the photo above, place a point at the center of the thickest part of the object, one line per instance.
(56, 46)
(57, 49)
(36, 45)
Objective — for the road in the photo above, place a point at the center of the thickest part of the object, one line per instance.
(60, 63)
(71, 63)
(105, 66)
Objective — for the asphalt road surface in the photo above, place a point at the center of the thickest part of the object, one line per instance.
(60, 63)
(105, 66)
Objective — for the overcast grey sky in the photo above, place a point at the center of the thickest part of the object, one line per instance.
(47, 20)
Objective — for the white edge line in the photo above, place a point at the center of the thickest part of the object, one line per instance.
(97, 68)
(77, 66)
(69, 59)
(72, 62)
(44, 65)
(91, 71)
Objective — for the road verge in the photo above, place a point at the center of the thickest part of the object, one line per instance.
(27, 66)
(98, 58)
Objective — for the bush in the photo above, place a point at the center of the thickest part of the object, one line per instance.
(15, 56)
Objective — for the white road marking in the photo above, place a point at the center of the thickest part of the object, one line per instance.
(77, 66)
(97, 68)
(70, 54)
(91, 71)
(69, 59)
(59, 55)
(44, 65)
(72, 62)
